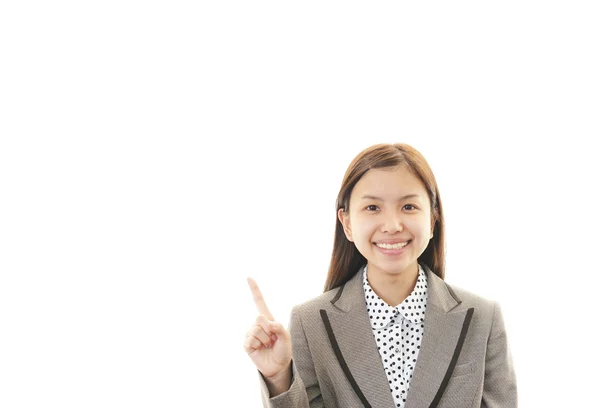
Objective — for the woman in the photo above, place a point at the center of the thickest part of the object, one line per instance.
(388, 331)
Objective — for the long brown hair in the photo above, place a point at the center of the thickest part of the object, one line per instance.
(345, 258)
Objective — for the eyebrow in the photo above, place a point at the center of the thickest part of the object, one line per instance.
(370, 197)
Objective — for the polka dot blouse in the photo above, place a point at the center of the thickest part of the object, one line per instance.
(398, 332)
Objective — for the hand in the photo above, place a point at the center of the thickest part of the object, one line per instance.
(268, 343)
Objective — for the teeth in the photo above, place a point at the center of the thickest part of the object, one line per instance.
(395, 246)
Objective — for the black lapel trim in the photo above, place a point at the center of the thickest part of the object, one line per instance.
(338, 294)
(338, 354)
(459, 345)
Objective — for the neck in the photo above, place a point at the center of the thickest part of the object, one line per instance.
(393, 288)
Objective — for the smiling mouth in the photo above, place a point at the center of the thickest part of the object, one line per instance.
(399, 245)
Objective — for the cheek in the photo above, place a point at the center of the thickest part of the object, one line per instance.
(364, 229)
(422, 228)
(418, 227)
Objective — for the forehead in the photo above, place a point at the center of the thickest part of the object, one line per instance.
(389, 183)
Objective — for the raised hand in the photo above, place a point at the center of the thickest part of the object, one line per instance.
(268, 343)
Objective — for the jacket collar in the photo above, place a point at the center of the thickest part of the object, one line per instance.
(439, 293)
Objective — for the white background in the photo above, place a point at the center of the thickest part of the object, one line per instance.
(155, 154)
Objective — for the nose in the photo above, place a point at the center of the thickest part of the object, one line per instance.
(392, 224)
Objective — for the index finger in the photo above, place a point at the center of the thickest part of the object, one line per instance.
(259, 301)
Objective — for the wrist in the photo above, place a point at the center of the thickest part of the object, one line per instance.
(279, 382)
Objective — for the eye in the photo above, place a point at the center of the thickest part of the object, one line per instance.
(410, 205)
(371, 208)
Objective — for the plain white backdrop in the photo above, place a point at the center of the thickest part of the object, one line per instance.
(155, 154)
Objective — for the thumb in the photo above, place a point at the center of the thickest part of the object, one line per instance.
(279, 330)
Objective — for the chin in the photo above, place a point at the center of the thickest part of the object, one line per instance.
(389, 269)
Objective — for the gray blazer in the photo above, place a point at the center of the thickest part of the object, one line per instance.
(464, 360)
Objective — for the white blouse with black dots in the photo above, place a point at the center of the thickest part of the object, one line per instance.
(398, 332)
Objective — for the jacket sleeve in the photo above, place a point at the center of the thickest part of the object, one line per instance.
(304, 391)
(500, 385)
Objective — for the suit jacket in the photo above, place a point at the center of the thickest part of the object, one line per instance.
(464, 360)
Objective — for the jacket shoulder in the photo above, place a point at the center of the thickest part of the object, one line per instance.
(484, 307)
(323, 301)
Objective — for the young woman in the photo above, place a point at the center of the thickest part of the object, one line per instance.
(388, 331)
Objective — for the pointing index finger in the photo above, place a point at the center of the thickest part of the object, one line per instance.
(259, 301)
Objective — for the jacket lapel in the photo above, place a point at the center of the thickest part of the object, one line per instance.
(443, 336)
(351, 330)
(351, 337)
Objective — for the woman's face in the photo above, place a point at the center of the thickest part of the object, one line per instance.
(388, 208)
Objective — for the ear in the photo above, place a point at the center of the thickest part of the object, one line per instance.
(345, 220)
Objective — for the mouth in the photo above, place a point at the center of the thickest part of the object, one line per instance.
(396, 247)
